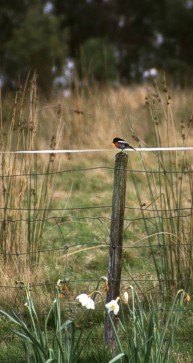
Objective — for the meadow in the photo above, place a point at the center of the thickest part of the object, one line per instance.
(55, 219)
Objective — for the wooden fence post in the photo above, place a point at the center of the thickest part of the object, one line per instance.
(1, 199)
(1, 179)
(116, 239)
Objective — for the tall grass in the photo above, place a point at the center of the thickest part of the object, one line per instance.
(25, 194)
(167, 211)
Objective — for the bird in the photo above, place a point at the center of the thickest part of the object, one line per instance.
(121, 144)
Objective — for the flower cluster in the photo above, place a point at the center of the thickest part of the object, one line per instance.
(88, 303)
(113, 305)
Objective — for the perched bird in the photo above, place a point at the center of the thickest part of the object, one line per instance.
(121, 144)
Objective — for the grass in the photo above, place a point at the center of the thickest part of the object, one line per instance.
(152, 114)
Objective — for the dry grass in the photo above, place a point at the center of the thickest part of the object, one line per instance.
(85, 120)
(92, 121)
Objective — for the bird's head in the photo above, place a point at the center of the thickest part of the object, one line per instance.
(116, 139)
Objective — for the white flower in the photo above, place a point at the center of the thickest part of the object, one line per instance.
(86, 301)
(125, 297)
(90, 304)
(83, 299)
(113, 306)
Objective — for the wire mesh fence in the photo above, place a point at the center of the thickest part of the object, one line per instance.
(75, 236)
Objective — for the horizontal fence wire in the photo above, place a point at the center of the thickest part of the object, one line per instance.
(99, 218)
(88, 281)
(68, 247)
(59, 172)
(95, 207)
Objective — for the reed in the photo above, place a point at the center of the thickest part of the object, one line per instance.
(26, 194)
(168, 194)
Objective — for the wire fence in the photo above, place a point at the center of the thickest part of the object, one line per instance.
(83, 228)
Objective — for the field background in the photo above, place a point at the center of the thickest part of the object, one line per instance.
(56, 210)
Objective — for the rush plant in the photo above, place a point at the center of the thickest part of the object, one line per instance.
(26, 184)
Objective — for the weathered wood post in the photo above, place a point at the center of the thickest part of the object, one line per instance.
(1, 179)
(116, 239)
(2, 204)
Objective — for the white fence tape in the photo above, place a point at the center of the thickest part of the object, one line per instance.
(95, 150)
